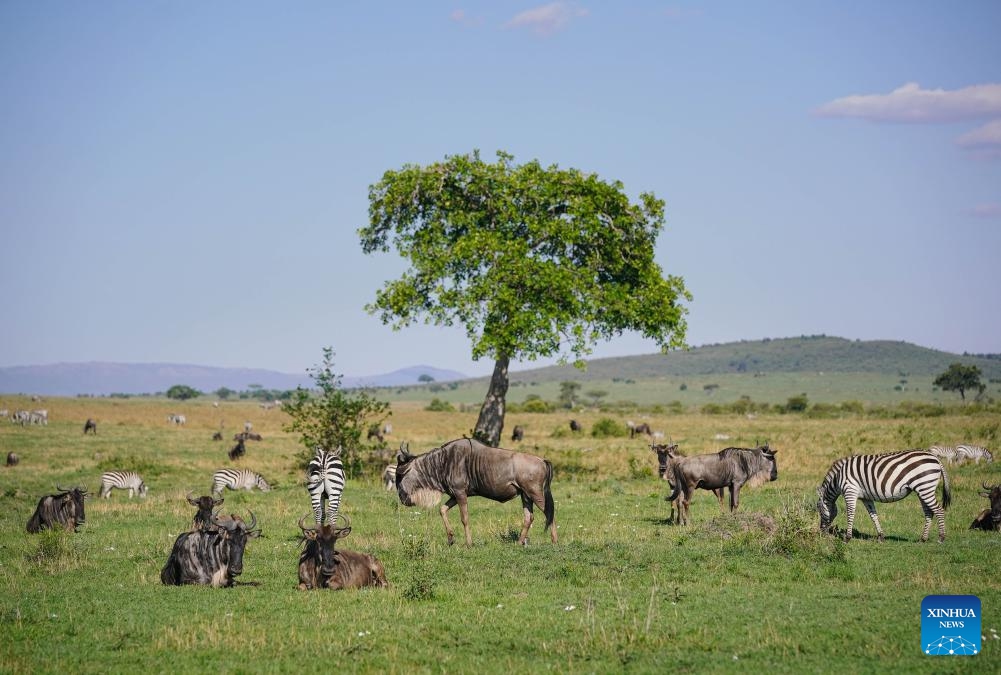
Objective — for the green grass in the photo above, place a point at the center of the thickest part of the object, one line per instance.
(622, 591)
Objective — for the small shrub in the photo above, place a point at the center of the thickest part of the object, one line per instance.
(606, 427)
(437, 405)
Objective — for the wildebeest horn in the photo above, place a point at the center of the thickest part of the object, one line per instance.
(62, 489)
(305, 529)
(193, 502)
(253, 521)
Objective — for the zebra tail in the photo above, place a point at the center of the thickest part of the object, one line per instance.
(946, 490)
(550, 508)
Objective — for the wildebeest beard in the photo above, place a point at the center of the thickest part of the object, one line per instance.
(411, 481)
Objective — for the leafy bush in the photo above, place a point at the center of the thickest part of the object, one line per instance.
(437, 405)
(606, 427)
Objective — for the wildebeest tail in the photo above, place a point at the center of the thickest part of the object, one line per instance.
(946, 490)
(550, 509)
(35, 522)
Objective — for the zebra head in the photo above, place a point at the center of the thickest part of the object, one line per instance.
(827, 508)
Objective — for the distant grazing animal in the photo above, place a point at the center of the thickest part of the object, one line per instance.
(12, 459)
(247, 426)
(204, 516)
(375, 432)
(666, 456)
(212, 556)
(217, 436)
(518, 434)
(466, 468)
(728, 468)
(640, 429)
(325, 478)
(4, 412)
(247, 436)
(575, 426)
(989, 519)
(238, 450)
(122, 480)
(238, 479)
(884, 478)
(387, 428)
(974, 453)
(64, 509)
(389, 477)
(39, 417)
(90, 426)
(945, 452)
(322, 566)
(178, 420)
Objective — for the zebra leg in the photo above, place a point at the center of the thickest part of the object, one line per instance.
(870, 506)
(850, 500)
(932, 508)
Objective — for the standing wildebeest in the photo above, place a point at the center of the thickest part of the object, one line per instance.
(321, 566)
(211, 557)
(467, 468)
(884, 478)
(666, 456)
(237, 451)
(730, 467)
(217, 436)
(204, 516)
(575, 426)
(518, 434)
(989, 519)
(640, 429)
(375, 431)
(90, 426)
(12, 458)
(64, 508)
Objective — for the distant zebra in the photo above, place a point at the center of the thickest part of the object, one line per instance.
(123, 480)
(389, 478)
(974, 453)
(238, 479)
(884, 478)
(946, 452)
(325, 476)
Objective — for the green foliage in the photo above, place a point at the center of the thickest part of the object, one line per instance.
(424, 378)
(182, 392)
(437, 405)
(606, 427)
(797, 404)
(961, 378)
(331, 417)
(568, 394)
(224, 393)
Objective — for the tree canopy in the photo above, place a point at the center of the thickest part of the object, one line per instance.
(960, 378)
(182, 392)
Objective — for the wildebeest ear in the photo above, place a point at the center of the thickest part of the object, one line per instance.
(343, 532)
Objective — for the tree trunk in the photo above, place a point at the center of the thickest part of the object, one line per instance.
(490, 425)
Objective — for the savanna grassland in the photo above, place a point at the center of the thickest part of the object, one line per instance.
(622, 591)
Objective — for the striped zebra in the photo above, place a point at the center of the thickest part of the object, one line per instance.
(123, 480)
(884, 478)
(389, 477)
(238, 479)
(946, 452)
(325, 476)
(974, 453)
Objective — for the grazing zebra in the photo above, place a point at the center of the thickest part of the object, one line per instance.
(123, 480)
(946, 452)
(884, 478)
(238, 479)
(389, 477)
(974, 452)
(325, 475)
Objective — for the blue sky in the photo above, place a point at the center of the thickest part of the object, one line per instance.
(184, 181)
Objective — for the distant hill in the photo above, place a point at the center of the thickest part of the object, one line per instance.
(101, 379)
(812, 354)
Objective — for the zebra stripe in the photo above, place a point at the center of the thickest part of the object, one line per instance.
(122, 480)
(974, 452)
(325, 476)
(946, 452)
(389, 477)
(884, 478)
(238, 479)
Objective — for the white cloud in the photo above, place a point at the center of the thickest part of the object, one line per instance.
(986, 137)
(990, 210)
(910, 103)
(547, 19)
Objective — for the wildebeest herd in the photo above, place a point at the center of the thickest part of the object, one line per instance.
(211, 552)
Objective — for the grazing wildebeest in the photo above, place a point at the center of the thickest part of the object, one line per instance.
(466, 468)
(640, 429)
(247, 436)
(212, 556)
(322, 566)
(90, 426)
(12, 458)
(666, 456)
(389, 477)
(217, 436)
(375, 431)
(204, 515)
(575, 426)
(64, 509)
(989, 519)
(518, 434)
(238, 450)
(728, 468)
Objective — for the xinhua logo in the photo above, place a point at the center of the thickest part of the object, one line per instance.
(950, 625)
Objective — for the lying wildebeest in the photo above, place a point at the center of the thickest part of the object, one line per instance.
(90, 426)
(666, 456)
(518, 434)
(989, 519)
(237, 451)
(247, 436)
(321, 566)
(389, 477)
(12, 459)
(467, 468)
(728, 468)
(575, 426)
(204, 515)
(212, 556)
(640, 429)
(64, 509)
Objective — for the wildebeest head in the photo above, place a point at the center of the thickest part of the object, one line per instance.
(664, 454)
(71, 502)
(326, 537)
(412, 486)
(204, 504)
(761, 464)
(993, 493)
(236, 532)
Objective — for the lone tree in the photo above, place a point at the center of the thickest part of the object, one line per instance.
(533, 261)
(182, 392)
(960, 378)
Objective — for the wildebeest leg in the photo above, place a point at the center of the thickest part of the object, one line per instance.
(444, 518)
(870, 506)
(526, 503)
(719, 492)
(734, 496)
(464, 516)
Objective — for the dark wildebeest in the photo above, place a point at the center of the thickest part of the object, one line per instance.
(375, 431)
(12, 458)
(321, 566)
(64, 509)
(467, 468)
(518, 434)
(575, 426)
(217, 436)
(730, 467)
(90, 426)
(989, 519)
(205, 504)
(238, 450)
(210, 557)
(640, 429)
(666, 456)
(247, 436)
